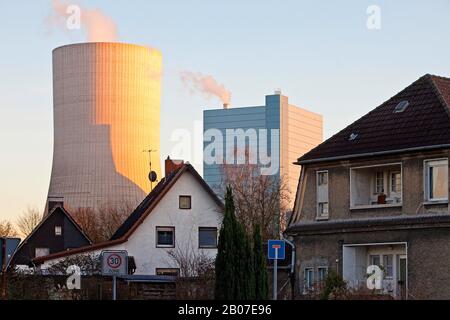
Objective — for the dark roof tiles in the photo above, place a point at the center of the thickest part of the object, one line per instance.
(425, 122)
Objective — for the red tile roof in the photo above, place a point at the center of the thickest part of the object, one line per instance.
(425, 123)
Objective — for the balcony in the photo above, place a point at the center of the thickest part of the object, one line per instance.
(378, 186)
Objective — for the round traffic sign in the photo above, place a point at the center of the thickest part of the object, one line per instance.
(114, 261)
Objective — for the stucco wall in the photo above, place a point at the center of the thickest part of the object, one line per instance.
(428, 256)
(339, 188)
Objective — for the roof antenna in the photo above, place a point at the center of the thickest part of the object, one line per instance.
(152, 176)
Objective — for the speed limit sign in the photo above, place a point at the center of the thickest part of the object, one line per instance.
(114, 263)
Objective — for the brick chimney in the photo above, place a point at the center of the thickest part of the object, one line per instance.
(172, 165)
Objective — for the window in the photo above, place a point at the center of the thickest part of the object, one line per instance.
(396, 182)
(309, 278)
(58, 230)
(322, 178)
(322, 273)
(207, 237)
(185, 202)
(40, 252)
(379, 182)
(401, 106)
(165, 237)
(436, 180)
(375, 260)
(175, 272)
(388, 266)
(323, 209)
(322, 194)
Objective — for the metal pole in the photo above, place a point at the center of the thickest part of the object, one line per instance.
(3, 244)
(275, 275)
(114, 288)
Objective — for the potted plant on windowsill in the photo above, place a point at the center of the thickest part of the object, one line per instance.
(381, 198)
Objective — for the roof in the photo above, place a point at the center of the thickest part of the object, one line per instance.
(67, 214)
(140, 213)
(56, 209)
(425, 123)
(392, 222)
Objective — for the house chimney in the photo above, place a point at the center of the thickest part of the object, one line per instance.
(172, 165)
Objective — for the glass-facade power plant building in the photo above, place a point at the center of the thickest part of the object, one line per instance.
(299, 130)
(106, 102)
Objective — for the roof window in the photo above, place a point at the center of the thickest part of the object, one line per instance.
(401, 106)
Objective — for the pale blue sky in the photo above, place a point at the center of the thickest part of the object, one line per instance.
(320, 53)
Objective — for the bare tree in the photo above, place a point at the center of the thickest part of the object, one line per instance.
(101, 224)
(192, 262)
(196, 277)
(7, 229)
(28, 221)
(259, 199)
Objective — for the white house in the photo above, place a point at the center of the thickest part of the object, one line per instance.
(180, 214)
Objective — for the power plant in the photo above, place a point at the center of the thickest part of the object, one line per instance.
(106, 104)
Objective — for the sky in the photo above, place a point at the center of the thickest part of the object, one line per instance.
(321, 54)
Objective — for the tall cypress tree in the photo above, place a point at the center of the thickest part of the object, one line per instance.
(225, 287)
(235, 277)
(260, 266)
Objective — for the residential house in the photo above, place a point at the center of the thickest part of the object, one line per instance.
(180, 215)
(57, 232)
(376, 193)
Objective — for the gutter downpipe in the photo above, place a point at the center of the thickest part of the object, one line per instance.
(292, 275)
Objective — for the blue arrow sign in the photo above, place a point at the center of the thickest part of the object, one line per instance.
(276, 250)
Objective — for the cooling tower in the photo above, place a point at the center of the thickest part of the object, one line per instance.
(106, 101)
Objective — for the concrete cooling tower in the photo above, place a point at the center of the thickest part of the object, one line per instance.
(106, 100)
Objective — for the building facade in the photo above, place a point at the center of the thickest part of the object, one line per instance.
(376, 194)
(182, 215)
(291, 131)
(106, 103)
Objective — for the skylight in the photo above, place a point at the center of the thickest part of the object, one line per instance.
(352, 137)
(401, 106)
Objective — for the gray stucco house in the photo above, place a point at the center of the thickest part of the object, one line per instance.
(376, 193)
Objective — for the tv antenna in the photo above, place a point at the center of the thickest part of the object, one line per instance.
(152, 176)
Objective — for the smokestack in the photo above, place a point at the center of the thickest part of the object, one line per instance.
(226, 105)
(172, 165)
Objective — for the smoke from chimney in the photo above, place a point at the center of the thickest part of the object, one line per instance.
(98, 26)
(206, 85)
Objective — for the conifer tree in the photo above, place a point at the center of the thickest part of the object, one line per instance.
(225, 287)
(260, 266)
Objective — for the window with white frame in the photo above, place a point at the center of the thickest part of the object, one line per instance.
(396, 182)
(58, 230)
(165, 237)
(379, 182)
(436, 180)
(388, 266)
(309, 278)
(322, 194)
(322, 273)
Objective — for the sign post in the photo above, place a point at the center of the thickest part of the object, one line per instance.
(7, 248)
(114, 263)
(276, 251)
